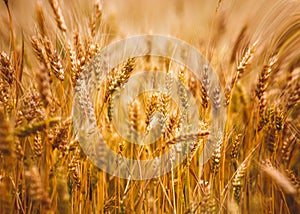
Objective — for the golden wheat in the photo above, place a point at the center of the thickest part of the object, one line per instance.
(253, 47)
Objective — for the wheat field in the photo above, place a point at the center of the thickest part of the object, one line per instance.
(253, 46)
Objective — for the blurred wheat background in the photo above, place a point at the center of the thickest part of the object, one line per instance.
(253, 45)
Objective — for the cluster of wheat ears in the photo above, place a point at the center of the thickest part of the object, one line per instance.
(43, 169)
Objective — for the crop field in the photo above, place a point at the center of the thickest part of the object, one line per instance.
(136, 106)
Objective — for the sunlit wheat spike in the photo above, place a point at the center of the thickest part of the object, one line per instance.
(182, 90)
(172, 125)
(261, 89)
(151, 107)
(6, 68)
(271, 139)
(74, 168)
(204, 89)
(32, 107)
(40, 18)
(293, 179)
(5, 93)
(80, 50)
(6, 140)
(119, 77)
(235, 146)
(39, 49)
(264, 76)
(43, 80)
(78, 45)
(75, 63)
(164, 103)
(6, 79)
(216, 158)
(279, 120)
(92, 48)
(58, 15)
(245, 61)
(38, 146)
(97, 17)
(278, 177)
(78, 56)
(62, 136)
(216, 99)
(269, 115)
(237, 181)
(54, 61)
(110, 109)
(240, 69)
(287, 146)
